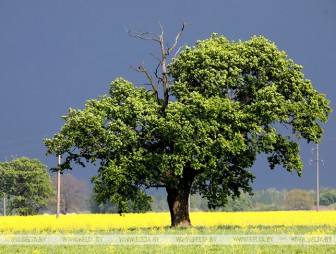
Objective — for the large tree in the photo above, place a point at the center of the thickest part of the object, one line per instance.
(27, 184)
(222, 104)
(298, 199)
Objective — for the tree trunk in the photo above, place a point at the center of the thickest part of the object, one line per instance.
(178, 207)
(178, 197)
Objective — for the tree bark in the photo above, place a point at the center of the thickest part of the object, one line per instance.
(178, 197)
(178, 207)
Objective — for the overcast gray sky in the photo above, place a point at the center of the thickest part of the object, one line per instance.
(57, 54)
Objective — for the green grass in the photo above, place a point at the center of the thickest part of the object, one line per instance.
(163, 249)
(75, 249)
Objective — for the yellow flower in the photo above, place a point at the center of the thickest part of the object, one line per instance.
(157, 222)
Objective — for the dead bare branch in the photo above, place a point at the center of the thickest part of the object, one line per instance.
(143, 69)
(180, 48)
(184, 24)
(161, 27)
(163, 77)
(156, 73)
(149, 36)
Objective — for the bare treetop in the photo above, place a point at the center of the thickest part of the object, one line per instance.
(162, 60)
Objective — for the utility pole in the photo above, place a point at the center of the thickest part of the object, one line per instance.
(317, 180)
(317, 160)
(58, 187)
(4, 197)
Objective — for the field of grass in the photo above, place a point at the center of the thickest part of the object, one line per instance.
(292, 223)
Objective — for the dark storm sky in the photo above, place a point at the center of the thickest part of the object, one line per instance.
(58, 54)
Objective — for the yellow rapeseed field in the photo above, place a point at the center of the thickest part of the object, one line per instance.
(109, 222)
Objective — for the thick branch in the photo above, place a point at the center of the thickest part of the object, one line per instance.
(164, 66)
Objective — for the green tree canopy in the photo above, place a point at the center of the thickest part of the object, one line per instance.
(27, 183)
(226, 103)
(328, 197)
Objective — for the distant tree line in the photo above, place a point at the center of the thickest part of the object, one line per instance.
(263, 200)
(26, 188)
